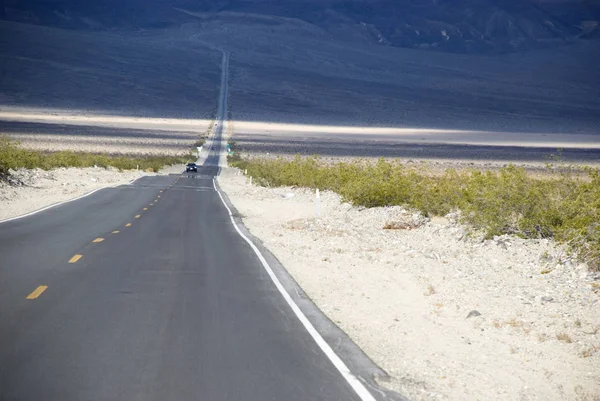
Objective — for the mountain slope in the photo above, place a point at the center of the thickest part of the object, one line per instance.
(471, 26)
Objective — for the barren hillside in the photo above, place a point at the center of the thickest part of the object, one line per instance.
(110, 72)
(112, 83)
(292, 71)
(463, 26)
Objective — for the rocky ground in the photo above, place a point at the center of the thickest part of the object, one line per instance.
(448, 316)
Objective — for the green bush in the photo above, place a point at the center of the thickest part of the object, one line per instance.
(12, 156)
(564, 206)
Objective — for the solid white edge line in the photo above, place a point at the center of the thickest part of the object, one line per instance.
(352, 380)
(65, 201)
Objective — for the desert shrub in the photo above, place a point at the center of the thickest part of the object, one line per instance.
(507, 201)
(12, 156)
(564, 206)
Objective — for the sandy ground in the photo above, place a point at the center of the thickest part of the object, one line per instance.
(447, 317)
(51, 130)
(44, 188)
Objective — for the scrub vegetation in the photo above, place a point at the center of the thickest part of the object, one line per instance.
(12, 156)
(564, 204)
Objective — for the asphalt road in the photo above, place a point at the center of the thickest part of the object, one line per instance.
(175, 306)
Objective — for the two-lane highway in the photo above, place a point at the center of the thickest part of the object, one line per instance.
(172, 305)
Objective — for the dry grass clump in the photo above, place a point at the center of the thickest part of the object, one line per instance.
(564, 206)
(430, 291)
(590, 351)
(399, 225)
(564, 337)
(12, 156)
(514, 323)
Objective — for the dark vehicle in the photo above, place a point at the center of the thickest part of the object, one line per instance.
(191, 167)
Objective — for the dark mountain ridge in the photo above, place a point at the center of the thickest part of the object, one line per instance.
(464, 26)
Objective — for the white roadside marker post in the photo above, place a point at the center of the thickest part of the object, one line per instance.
(318, 204)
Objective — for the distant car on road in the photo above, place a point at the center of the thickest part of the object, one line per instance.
(191, 167)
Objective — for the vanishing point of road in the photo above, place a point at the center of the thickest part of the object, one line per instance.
(147, 291)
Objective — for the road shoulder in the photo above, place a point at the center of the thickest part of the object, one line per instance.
(352, 355)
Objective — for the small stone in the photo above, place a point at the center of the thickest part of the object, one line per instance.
(473, 313)
(546, 299)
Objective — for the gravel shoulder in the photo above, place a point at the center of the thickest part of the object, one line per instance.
(37, 189)
(446, 316)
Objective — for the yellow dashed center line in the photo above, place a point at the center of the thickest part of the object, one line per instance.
(115, 232)
(128, 225)
(37, 292)
(75, 258)
(137, 216)
(98, 239)
(145, 208)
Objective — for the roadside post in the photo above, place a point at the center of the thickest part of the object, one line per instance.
(318, 204)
